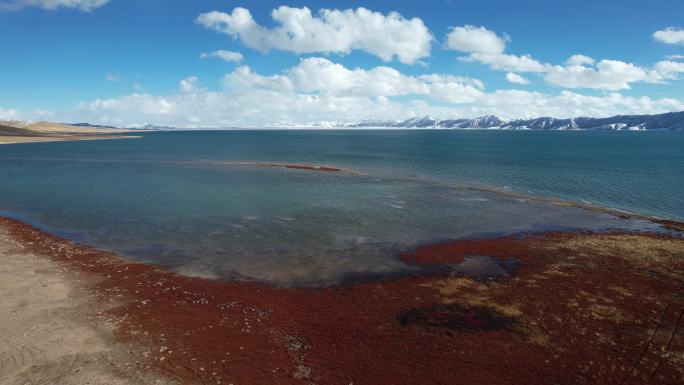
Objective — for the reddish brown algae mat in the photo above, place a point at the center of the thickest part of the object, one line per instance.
(577, 308)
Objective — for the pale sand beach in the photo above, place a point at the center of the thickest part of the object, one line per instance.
(53, 330)
(60, 138)
(17, 132)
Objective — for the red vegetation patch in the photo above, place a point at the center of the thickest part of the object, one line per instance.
(308, 167)
(455, 251)
(590, 322)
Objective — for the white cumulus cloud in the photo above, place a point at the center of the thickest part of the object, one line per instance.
(605, 75)
(579, 71)
(486, 47)
(82, 5)
(229, 56)
(319, 90)
(319, 75)
(329, 31)
(578, 60)
(671, 35)
(472, 39)
(259, 107)
(525, 104)
(504, 62)
(8, 114)
(190, 85)
(668, 69)
(516, 78)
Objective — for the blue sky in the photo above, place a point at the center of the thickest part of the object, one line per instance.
(128, 62)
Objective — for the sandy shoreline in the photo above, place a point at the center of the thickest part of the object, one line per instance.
(582, 307)
(53, 331)
(18, 132)
(60, 138)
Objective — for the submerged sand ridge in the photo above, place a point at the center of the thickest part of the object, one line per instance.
(592, 308)
(52, 331)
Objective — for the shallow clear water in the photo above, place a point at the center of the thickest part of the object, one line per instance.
(181, 200)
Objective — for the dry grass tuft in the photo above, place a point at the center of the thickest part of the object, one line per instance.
(602, 312)
(509, 310)
(659, 254)
(460, 290)
(451, 286)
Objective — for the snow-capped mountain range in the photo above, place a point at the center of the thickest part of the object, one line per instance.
(671, 121)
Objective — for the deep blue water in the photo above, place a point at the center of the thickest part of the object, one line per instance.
(182, 199)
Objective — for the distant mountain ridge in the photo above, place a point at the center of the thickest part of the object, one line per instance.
(671, 121)
(89, 125)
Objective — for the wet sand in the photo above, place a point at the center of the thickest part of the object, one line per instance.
(573, 308)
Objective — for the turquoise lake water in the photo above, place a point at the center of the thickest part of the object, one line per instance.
(184, 200)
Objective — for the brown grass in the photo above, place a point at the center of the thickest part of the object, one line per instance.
(659, 254)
